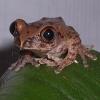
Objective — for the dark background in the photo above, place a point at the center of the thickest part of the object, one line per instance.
(8, 56)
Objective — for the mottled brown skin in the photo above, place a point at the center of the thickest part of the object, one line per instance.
(65, 41)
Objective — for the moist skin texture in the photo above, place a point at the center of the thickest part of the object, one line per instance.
(45, 41)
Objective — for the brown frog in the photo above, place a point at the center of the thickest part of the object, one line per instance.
(46, 41)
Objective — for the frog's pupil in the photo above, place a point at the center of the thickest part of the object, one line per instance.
(48, 34)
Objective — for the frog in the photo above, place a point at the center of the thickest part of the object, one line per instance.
(48, 41)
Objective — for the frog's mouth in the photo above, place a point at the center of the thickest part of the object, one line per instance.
(36, 54)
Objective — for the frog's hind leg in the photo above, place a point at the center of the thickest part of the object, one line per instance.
(83, 57)
(85, 52)
(20, 63)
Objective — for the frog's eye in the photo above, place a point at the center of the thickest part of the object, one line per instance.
(13, 29)
(48, 35)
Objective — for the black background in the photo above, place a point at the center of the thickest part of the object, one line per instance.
(8, 56)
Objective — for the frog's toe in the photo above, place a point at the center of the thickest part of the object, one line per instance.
(17, 69)
(95, 58)
(57, 71)
(86, 65)
(75, 61)
(37, 65)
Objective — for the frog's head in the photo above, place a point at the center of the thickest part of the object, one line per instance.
(42, 35)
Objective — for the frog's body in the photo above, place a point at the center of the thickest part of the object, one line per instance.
(49, 39)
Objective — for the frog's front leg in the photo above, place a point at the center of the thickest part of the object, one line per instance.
(44, 60)
(72, 49)
(56, 53)
(20, 63)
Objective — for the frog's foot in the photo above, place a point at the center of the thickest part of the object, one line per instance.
(75, 61)
(60, 66)
(59, 69)
(85, 63)
(20, 63)
(64, 63)
(88, 53)
(37, 65)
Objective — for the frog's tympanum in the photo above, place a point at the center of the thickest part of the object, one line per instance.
(48, 41)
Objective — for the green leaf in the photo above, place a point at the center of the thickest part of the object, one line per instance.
(74, 83)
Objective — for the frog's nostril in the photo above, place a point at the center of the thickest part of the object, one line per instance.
(13, 29)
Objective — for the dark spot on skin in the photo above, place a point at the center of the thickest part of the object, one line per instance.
(28, 32)
(70, 59)
(42, 45)
(60, 35)
(73, 47)
(75, 36)
(52, 44)
(74, 44)
(70, 36)
(72, 54)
